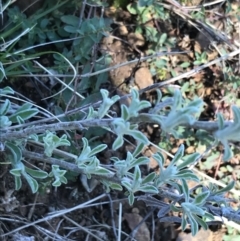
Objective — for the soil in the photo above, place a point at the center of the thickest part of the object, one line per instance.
(103, 219)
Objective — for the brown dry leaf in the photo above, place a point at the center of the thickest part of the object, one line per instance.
(123, 30)
(143, 78)
(212, 55)
(197, 47)
(206, 235)
(190, 150)
(149, 152)
(198, 77)
(191, 2)
(133, 219)
(136, 39)
(185, 42)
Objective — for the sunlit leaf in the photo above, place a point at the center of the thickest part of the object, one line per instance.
(163, 38)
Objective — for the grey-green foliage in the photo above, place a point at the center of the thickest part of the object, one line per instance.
(19, 169)
(194, 211)
(134, 182)
(122, 126)
(11, 114)
(17, 114)
(135, 106)
(58, 175)
(4, 119)
(176, 170)
(89, 163)
(217, 195)
(123, 167)
(88, 32)
(137, 183)
(52, 141)
(45, 22)
(106, 103)
(180, 114)
(175, 175)
(228, 133)
(144, 11)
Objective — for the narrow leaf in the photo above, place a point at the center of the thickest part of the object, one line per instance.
(193, 223)
(149, 189)
(188, 160)
(4, 108)
(185, 190)
(116, 186)
(131, 199)
(32, 182)
(184, 223)
(98, 149)
(149, 178)
(201, 198)
(201, 222)
(139, 161)
(36, 173)
(25, 115)
(139, 136)
(18, 183)
(117, 143)
(125, 112)
(138, 149)
(127, 185)
(225, 189)
(16, 151)
(103, 171)
(178, 155)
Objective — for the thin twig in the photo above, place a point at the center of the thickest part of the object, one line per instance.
(84, 124)
(54, 215)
